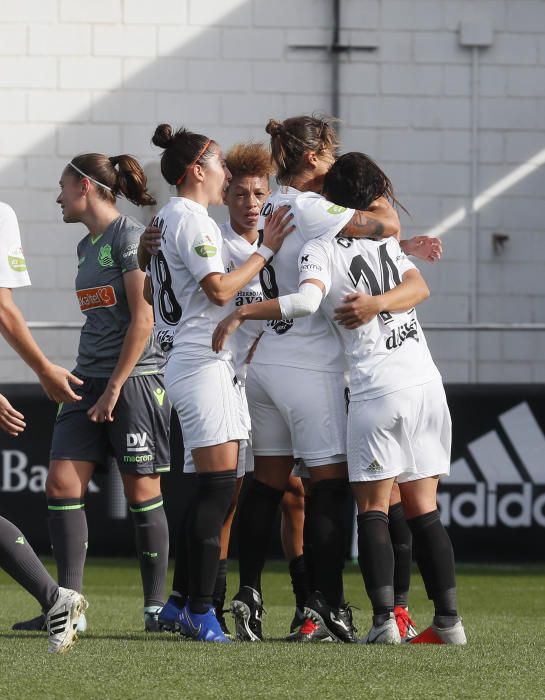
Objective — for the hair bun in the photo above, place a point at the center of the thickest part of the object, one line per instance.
(274, 128)
(162, 136)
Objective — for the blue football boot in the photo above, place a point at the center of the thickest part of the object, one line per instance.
(201, 627)
(170, 613)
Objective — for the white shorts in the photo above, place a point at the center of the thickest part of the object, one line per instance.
(245, 462)
(405, 434)
(297, 412)
(207, 400)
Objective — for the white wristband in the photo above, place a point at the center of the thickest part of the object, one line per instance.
(265, 252)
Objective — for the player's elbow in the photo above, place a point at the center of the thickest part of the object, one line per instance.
(218, 297)
(424, 291)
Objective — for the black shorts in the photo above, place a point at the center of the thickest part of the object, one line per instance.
(138, 438)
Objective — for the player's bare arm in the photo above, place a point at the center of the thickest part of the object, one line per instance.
(380, 220)
(362, 308)
(221, 288)
(55, 380)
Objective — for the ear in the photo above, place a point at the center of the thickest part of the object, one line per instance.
(311, 159)
(198, 172)
(85, 186)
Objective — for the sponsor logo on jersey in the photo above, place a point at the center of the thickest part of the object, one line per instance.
(159, 395)
(165, 338)
(20, 540)
(248, 296)
(136, 442)
(130, 251)
(510, 460)
(16, 259)
(105, 256)
(205, 246)
(96, 297)
(280, 327)
(400, 334)
(336, 209)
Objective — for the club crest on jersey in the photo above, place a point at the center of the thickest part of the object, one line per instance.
(105, 256)
(400, 334)
(336, 209)
(16, 259)
(205, 247)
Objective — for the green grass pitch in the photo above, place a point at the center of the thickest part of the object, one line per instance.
(503, 610)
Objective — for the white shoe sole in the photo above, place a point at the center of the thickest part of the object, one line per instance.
(241, 615)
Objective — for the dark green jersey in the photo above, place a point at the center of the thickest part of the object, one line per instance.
(102, 262)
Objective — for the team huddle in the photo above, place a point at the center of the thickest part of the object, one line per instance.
(288, 344)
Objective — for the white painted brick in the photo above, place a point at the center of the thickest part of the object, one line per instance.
(226, 76)
(541, 49)
(511, 278)
(26, 72)
(359, 79)
(360, 40)
(504, 309)
(456, 246)
(457, 11)
(286, 13)
(158, 12)
(434, 48)
(409, 145)
(160, 74)
(44, 171)
(447, 277)
(449, 345)
(526, 16)
(12, 106)
(123, 107)
(56, 106)
(522, 213)
(538, 372)
(364, 140)
(377, 111)
(457, 80)
(505, 372)
(136, 139)
(124, 40)
(250, 110)
(257, 44)
(174, 108)
(59, 40)
(431, 113)
(35, 205)
(28, 11)
(12, 172)
(538, 311)
(12, 368)
(219, 12)
(13, 40)
(360, 13)
(492, 146)
(411, 14)
(489, 346)
(508, 114)
(511, 49)
(19, 138)
(97, 12)
(89, 139)
(453, 372)
(525, 82)
(423, 210)
(307, 104)
(294, 78)
(520, 346)
(455, 146)
(93, 73)
(226, 136)
(395, 47)
(444, 308)
(54, 239)
(411, 79)
(493, 81)
(436, 178)
(189, 42)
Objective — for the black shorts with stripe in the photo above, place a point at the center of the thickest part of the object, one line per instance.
(138, 438)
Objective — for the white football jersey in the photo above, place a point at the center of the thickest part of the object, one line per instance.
(308, 342)
(13, 272)
(191, 249)
(236, 251)
(390, 352)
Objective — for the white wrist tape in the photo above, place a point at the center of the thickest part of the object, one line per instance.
(305, 302)
(267, 253)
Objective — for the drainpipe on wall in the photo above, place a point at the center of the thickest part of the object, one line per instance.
(475, 36)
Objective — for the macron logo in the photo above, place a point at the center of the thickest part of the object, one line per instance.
(136, 442)
(510, 467)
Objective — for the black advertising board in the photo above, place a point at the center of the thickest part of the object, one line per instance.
(493, 503)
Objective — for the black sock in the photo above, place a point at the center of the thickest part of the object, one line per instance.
(299, 581)
(67, 524)
(151, 532)
(307, 545)
(214, 496)
(256, 516)
(402, 542)
(220, 588)
(19, 560)
(376, 560)
(328, 538)
(180, 580)
(435, 558)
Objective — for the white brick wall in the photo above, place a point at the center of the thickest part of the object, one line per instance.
(101, 75)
